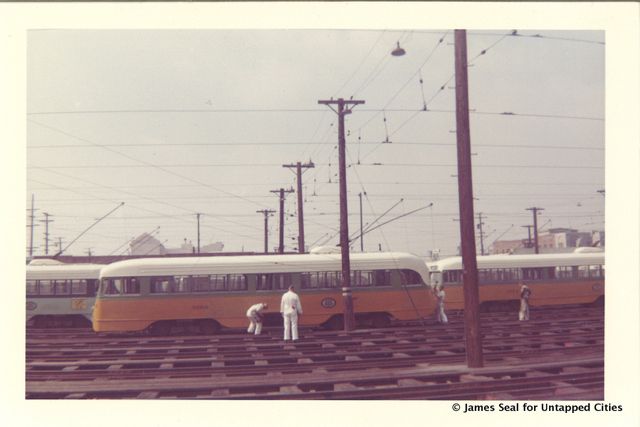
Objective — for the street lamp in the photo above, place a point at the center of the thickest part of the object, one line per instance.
(398, 51)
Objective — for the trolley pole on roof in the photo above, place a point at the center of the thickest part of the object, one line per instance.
(281, 192)
(535, 226)
(299, 167)
(473, 338)
(349, 318)
(266, 213)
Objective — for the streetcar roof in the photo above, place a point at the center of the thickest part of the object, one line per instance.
(261, 264)
(63, 271)
(514, 261)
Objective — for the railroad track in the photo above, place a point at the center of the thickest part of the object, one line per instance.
(559, 355)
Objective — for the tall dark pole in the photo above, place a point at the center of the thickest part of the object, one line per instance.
(361, 233)
(480, 224)
(32, 225)
(349, 318)
(465, 195)
(198, 216)
(46, 221)
(266, 213)
(528, 227)
(281, 192)
(299, 167)
(535, 226)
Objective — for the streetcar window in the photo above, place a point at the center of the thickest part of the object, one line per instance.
(273, 282)
(452, 276)
(162, 285)
(238, 282)
(218, 282)
(62, 287)
(46, 287)
(564, 272)
(92, 287)
(381, 278)
(183, 284)
(305, 280)
(360, 279)
(327, 279)
(264, 282)
(32, 287)
(410, 277)
(79, 287)
(200, 284)
(596, 272)
(131, 286)
(111, 286)
(532, 273)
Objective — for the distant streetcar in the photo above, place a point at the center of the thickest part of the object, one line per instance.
(60, 295)
(204, 294)
(554, 279)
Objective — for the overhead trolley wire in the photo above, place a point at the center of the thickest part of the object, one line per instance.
(145, 163)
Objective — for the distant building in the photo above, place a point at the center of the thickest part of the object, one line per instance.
(185, 248)
(146, 244)
(555, 240)
(213, 247)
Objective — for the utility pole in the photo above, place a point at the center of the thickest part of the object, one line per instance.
(266, 213)
(46, 221)
(528, 227)
(361, 233)
(480, 224)
(349, 318)
(299, 167)
(59, 243)
(535, 226)
(198, 217)
(31, 226)
(282, 192)
(473, 337)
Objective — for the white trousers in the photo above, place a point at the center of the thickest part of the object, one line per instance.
(441, 316)
(254, 325)
(290, 326)
(524, 310)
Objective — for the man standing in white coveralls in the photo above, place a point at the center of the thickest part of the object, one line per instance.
(254, 314)
(290, 307)
(441, 317)
(525, 293)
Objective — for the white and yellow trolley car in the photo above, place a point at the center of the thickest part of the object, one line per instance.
(60, 295)
(206, 293)
(554, 279)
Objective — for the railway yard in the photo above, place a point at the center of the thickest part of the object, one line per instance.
(558, 355)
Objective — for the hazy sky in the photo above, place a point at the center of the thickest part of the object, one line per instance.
(176, 123)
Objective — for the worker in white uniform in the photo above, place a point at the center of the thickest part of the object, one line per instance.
(254, 314)
(290, 308)
(441, 317)
(525, 293)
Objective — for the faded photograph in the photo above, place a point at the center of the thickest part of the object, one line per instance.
(346, 214)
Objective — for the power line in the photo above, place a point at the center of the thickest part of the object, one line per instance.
(178, 111)
(326, 164)
(143, 162)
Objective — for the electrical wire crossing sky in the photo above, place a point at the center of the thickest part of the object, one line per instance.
(177, 123)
